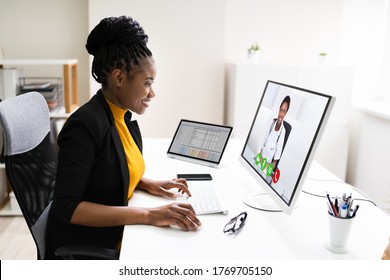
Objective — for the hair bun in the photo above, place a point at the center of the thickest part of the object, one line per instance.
(115, 30)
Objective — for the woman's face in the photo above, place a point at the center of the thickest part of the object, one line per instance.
(282, 112)
(137, 91)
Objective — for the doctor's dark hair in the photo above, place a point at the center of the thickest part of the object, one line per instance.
(287, 100)
(116, 43)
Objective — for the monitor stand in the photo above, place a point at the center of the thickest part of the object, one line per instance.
(262, 201)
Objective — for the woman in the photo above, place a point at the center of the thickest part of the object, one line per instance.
(273, 146)
(100, 159)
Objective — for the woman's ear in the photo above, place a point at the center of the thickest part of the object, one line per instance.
(117, 76)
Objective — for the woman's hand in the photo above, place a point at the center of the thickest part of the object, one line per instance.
(161, 188)
(179, 214)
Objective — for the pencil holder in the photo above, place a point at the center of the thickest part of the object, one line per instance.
(339, 232)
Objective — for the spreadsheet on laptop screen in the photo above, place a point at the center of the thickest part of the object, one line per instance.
(200, 140)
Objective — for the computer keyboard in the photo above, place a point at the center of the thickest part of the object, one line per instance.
(205, 199)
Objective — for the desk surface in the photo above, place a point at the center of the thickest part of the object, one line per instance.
(266, 235)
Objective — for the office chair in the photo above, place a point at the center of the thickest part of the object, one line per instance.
(31, 164)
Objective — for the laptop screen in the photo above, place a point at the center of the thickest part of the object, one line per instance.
(204, 142)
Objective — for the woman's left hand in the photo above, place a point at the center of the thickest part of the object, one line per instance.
(161, 188)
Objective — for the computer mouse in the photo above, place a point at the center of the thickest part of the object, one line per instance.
(180, 196)
(176, 227)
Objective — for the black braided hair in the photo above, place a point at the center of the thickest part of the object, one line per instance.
(116, 43)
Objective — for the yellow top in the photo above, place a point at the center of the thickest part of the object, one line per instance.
(135, 160)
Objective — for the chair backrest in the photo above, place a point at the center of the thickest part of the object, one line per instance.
(30, 160)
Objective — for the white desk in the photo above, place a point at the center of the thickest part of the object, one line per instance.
(265, 235)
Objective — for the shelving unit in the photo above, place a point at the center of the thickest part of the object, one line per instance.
(51, 89)
(8, 204)
(69, 76)
(369, 167)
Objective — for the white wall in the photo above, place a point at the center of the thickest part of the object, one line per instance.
(191, 45)
(363, 37)
(287, 31)
(192, 39)
(46, 29)
(354, 33)
(369, 165)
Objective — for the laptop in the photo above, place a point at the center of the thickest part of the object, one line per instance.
(199, 142)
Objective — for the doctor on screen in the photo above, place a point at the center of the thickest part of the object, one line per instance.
(275, 140)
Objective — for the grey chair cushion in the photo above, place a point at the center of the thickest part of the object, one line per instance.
(26, 129)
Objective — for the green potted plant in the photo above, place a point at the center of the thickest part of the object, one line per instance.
(322, 57)
(253, 52)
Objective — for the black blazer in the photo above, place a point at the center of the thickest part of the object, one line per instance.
(92, 167)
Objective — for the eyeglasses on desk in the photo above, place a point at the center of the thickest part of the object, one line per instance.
(235, 224)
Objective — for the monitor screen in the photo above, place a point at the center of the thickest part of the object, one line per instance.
(281, 142)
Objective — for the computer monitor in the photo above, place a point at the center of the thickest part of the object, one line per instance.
(281, 143)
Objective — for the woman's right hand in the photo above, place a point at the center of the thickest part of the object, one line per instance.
(179, 214)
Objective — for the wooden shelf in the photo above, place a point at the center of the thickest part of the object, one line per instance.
(69, 76)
